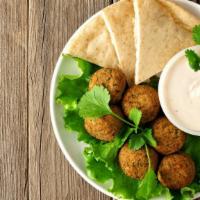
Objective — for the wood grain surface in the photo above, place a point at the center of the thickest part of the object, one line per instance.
(32, 35)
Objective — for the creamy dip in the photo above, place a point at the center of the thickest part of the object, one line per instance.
(180, 96)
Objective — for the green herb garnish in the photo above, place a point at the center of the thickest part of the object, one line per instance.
(193, 59)
(192, 56)
(149, 182)
(101, 158)
(196, 34)
(95, 103)
(142, 136)
(136, 116)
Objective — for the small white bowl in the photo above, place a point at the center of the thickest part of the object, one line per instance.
(162, 87)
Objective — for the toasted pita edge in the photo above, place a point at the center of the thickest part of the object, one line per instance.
(82, 35)
(116, 12)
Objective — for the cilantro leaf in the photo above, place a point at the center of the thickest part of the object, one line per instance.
(135, 115)
(136, 142)
(193, 59)
(147, 135)
(144, 136)
(95, 103)
(196, 34)
(147, 185)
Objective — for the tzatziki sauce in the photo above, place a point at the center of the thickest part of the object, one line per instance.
(179, 92)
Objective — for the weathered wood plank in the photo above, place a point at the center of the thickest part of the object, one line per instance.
(51, 23)
(13, 100)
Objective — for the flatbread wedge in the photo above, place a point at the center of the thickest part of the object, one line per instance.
(181, 15)
(159, 34)
(119, 21)
(92, 42)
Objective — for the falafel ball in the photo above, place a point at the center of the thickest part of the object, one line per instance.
(112, 79)
(169, 138)
(144, 98)
(134, 163)
(176, 171)
(104, 128)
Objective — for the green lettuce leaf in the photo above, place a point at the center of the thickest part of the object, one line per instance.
(121, 186)
(160, 190)
(73, 122)
(107, 151)
(96, 170)
(101, 158)
(147, 185)
(187, 193)
(192, 147)
(68, 95)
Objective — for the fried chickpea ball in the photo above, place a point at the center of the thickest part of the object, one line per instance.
(135, 163)
(169, 138)
(104, 128)
(112, 79)
(176, 171)
(144, 98)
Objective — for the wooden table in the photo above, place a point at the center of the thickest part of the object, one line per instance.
(32, 35)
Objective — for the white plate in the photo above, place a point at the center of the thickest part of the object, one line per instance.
(71, 148)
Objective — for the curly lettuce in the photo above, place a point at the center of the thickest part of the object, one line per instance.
(101, 158)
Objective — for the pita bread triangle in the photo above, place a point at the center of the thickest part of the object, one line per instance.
(159, 34)
(119, 21)
(92, 42)
(181, 15)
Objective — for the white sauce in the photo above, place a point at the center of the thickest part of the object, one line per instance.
(181, 91)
